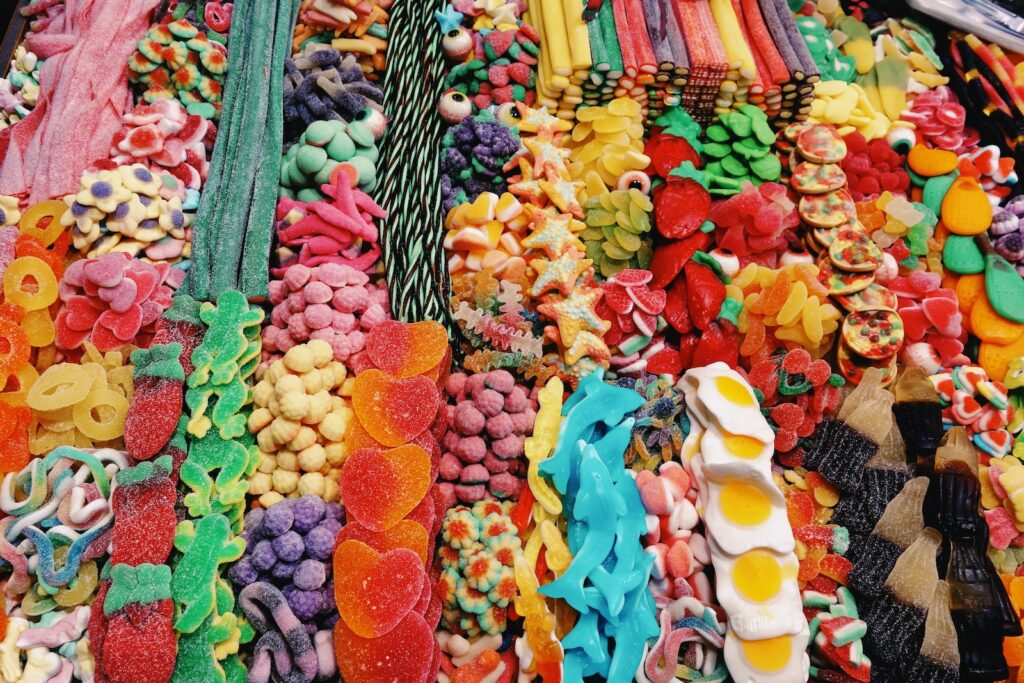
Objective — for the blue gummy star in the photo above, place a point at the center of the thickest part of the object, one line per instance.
(448, 19)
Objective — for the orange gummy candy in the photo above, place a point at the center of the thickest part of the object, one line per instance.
(755, 336)
(406, 349)
(775, 295)
(375, 591)
(14, 424)
(394, 411)
(406, 534)
(478, 669)
(14, 347)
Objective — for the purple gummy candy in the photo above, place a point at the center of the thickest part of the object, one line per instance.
(305, 604)
(332, 525)
(263, 556)
(283, 571)
(309, 575)
(278, 519)
(243, 572)
(288, 546)
(308, 511)
(334, 511)
(253, 523)
(320, 543)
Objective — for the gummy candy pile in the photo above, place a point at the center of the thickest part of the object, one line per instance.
(726, 381)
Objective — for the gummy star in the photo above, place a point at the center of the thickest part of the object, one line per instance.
(586, 345)
(488, 7)
(505, 16)
(575, 313)
(560, 274)
(549, 158)
(553, 234)
(525, 186)
(448, 19)
(563, 193)
(536, 120)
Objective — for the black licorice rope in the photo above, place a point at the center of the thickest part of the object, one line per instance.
(412, 236)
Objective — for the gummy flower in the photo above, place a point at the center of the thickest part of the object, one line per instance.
(139, 179)
(494, 525)
(471, 600)
(446, 587)
(494, 619)
(505, 548)
(104, 190)
(482, 571)
(504, 589)
(10, 214)
(450, 557)
(461, 528)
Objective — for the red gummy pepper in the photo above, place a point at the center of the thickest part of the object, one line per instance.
(705, 294)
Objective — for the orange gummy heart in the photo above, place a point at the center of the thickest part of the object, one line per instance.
(394, 411)
(406, 534)
(375, 591)
(406, 349)
(405, 655)
(380, 488)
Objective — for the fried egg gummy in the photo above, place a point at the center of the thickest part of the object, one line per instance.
(751, 542)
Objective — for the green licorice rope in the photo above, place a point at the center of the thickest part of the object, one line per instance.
(412, 236)
(233, 228)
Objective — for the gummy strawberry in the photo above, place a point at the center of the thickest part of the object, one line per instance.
(670, 257)
(156, 402)
(668, 152)
(665, 362)
(140, 643)
(676, 313)
(144, 518)
(705, 294)
(681, 206)
(180, 323)
(720, 342)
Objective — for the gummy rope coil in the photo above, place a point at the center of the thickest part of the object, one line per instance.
(414, 260)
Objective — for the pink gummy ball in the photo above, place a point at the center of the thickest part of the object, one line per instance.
(468, 420)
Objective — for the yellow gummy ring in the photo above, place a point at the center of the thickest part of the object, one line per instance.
(34, 215)
(60, 386)
(36, 295)
(109, 424)
(39, 328)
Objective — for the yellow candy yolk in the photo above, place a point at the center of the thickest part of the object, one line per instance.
(768, 655)
(734, 391)
(746, 447)
(745, 504)
(757, 576)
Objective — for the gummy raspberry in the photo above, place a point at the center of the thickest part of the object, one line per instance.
(278, 520)
(489, 402)
(308, 511)
(305, 604)
(243, 572)
(288, 546)
(785, 440)
(283, 571)
(818, 373)
(263, 556)
(500, 380)
(787, 416)
(309, 575)
(320, 543)
(796, 361)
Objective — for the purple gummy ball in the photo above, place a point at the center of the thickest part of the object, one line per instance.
(332, 525)
(320, 543)
(289, 546)
(253, 523)
(263, 556)
(278, 519)
(309, 575)
(243, 572)
(283, 571)
(308, 511)
(334, 511)
(305, 604)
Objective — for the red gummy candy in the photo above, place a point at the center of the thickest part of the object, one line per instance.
(669, 258)
(140, 645)
(799, 509)
(406, 534)
(406, 349)
(665, 362)
(152, 416)
(145, 522)
(705, 294)
(720, 342)
(836, 567)
(405, 654)
(814, 535)
(381, 487)
(667, 152)
(681, 206)
(394, 411)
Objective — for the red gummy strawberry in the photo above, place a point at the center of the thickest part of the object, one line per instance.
(705, 294)
(143, 505)
(670, 257)
(681, 206)
(676, 313)
(180, 323)
(720, 342)
(668, 152)
(665, 362)
(156, 402)
(140, 645)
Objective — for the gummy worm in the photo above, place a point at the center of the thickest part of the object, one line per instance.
(20, 581)
(250, 599)
(44, 547)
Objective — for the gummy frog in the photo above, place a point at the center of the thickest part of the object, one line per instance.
(206, 545)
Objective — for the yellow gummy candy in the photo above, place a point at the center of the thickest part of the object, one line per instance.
(557, 553)
(36, 214)
(541, 445)
(101, 415)
(60, 386)
(794, 304)
(31, 294)
(39, 328)
(812, 320)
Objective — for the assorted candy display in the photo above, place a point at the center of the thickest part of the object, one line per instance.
(479, 341)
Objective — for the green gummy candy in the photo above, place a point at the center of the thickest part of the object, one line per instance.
(763, 132)
(916, 179)
(716, 150)
(935, 189)
(319, 133)
(753, 113)
(308, 194)
(360, 134)
(962, 256)
(738, 123)
(730, 310)
(717, 133)
(144, 584)
(206, 545)
(197, 660)
(767, 167)
(144, 471)
(323, 176)
(341, 147)
(733, 166)
(713, 168)
(1003, 284)
(159, 360)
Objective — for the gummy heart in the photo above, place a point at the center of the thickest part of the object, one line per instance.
(403, 349)
(121, 296)
(375, 591)
(406, 534)
(381, 487)
(405, 655)
(107, 270)
(394, 411)
(944, 314)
